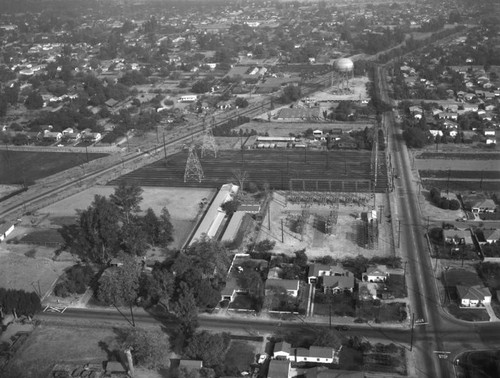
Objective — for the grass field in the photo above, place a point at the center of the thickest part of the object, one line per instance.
(274, 167)
(472, 175)
(48, 345)
(30, 267)
(460, 156)
(182, 204)
(461, 186)
(20, 167)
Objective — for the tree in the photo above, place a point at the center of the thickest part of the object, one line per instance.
(211, 348)
(133, 237)
(119, 285)
(241, 176)
(166, 230)
(34, 101)
(210, 256)
(127, 198)
(415, 138)
(184, 307)
(290, 93)
(250, 280)
(96, 237)
(241, 102)
(149, 347)
(230, 207)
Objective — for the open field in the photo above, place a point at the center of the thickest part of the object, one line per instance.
(48, 345)
(274, 167)
(182, 204)
(347, 237)
(30, 267)
(20, 167)
(462, 185)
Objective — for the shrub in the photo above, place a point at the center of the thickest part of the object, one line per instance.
(75, 281)
(435, 194)
(444, 203)
(454, 204)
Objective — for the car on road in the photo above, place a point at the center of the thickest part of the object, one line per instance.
(342, 328)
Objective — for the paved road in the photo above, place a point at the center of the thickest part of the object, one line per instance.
(442, 332)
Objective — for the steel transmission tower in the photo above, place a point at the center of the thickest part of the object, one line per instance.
(194, 171)
(208, 145)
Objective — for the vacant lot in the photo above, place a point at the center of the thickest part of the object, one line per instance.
(295, 226)
(30, 267)
(182, 204)
(48, 345)
(20, 167)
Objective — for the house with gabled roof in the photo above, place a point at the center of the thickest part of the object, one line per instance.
(291, 286)
(282, 350)
(338, 284)
(491, 236)
(319, 270)
(473, 296)
(457, 237)
(376, 273)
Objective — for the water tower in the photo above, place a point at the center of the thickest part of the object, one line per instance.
(345, 68)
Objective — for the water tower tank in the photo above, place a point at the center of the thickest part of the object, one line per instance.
(344, 65)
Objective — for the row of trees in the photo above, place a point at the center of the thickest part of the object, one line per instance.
(443, 202)
(19, 302)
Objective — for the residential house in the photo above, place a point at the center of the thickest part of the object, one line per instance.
(490, 135)
(72, 137)
(457, 237)
(316, 354)
(448, 115)
(278, 369)
(485, 206)
(53, 136)
(320, 270)
(377, 273)
(338, 284)
(490, 236)
(92, 137)
(473, 296)
(435, 133)
(320, 355)
(282, 350)
(5, 230)
(291, 286)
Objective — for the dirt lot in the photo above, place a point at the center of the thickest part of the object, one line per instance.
(21, 268)
(182, 203)
(48, 345)
(344, 239)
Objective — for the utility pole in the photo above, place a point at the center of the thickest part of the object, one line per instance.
(269, 216)
(399, 232)
(87, 153)
(164, 147)
(448, 182)
(404, 277)
(412, 330)
(282, 232)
